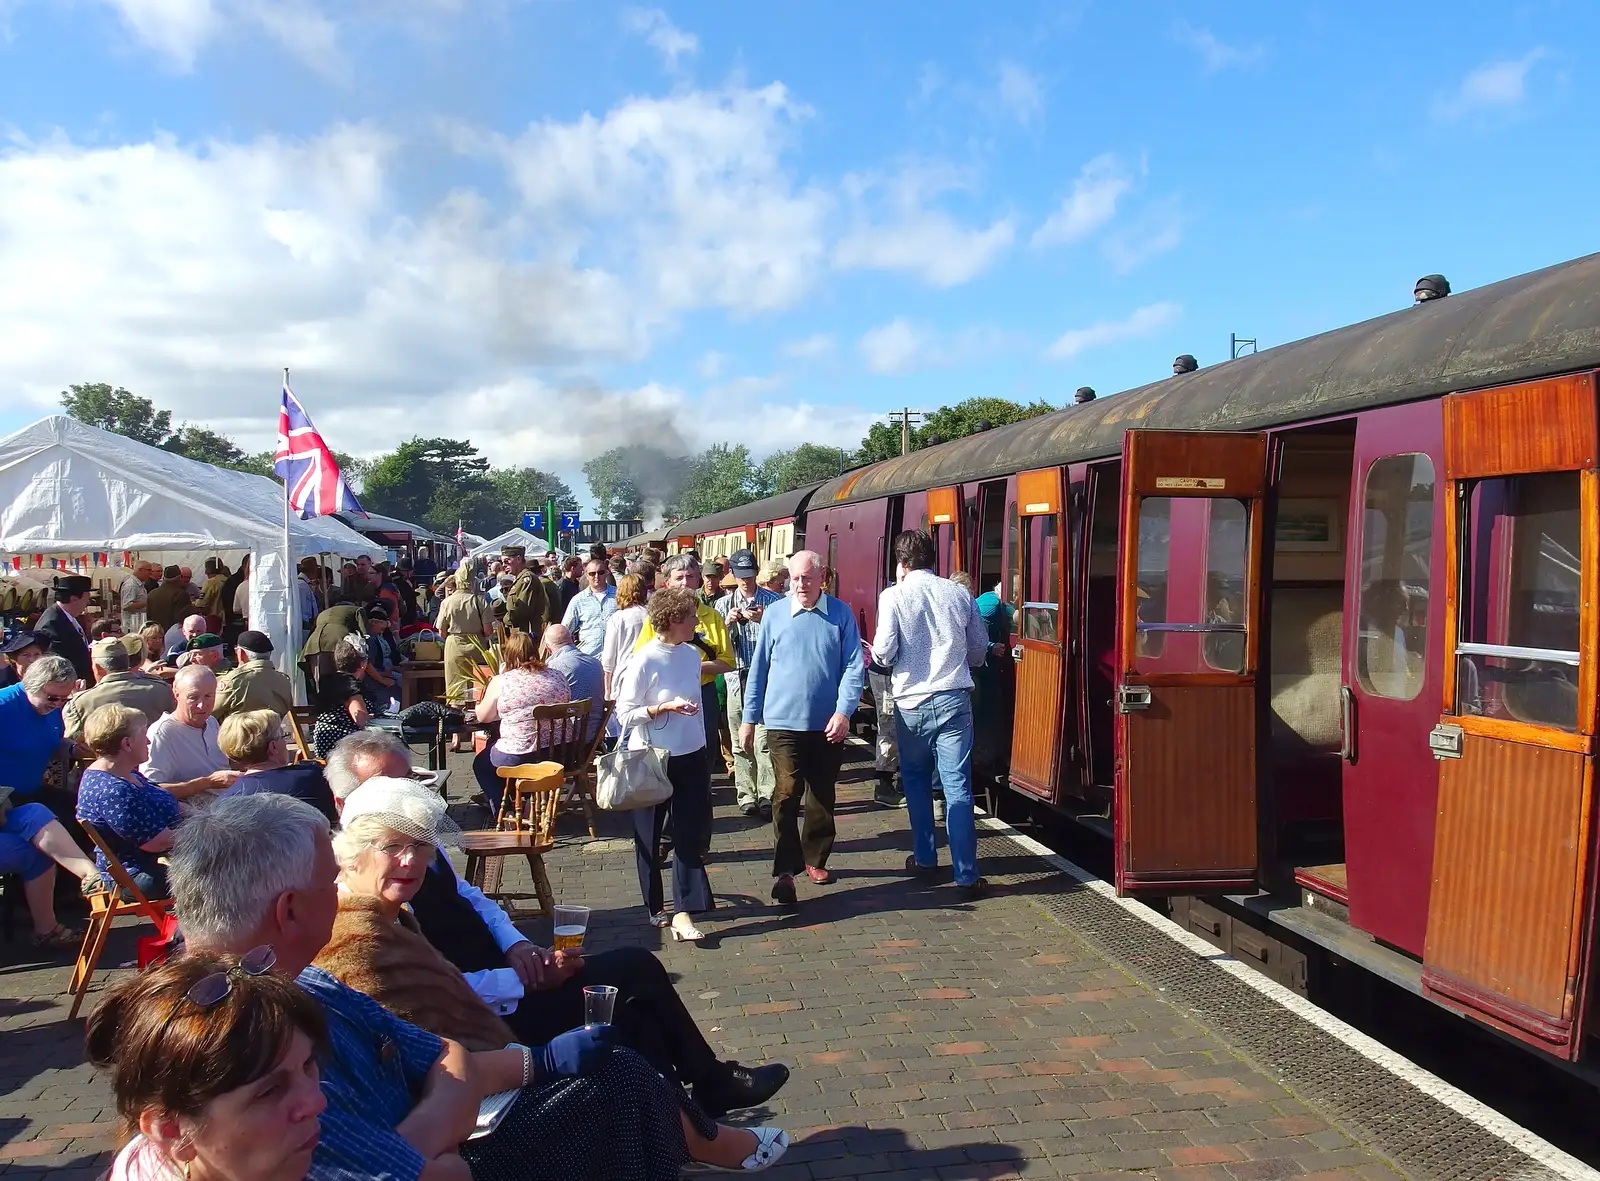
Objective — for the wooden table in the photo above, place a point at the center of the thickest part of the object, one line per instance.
(421, 680)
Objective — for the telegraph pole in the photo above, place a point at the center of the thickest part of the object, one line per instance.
(906, 416)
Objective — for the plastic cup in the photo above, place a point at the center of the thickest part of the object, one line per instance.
(598, 1002)
(571, 922)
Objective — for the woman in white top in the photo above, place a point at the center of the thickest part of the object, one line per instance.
(622, 630)
(658, 704)
(213, 1059)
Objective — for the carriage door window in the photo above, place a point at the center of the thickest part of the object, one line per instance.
(831, 575)
(1396, 548)
(1155, 550)
(1517, 656)
(1012, 592)
(1227, 561)
(1041, 604)
(991, 538)
(764, 544)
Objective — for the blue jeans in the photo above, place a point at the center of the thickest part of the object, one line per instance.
(935, 737)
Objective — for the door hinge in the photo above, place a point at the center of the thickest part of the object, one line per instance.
(1445, 739)
(1132, 697)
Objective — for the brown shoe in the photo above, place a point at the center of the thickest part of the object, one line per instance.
(821, 876)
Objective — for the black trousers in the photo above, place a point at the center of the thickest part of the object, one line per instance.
(650, 1016)
(805, 767)
(689, 814)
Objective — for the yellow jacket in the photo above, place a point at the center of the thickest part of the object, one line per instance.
(710, 627)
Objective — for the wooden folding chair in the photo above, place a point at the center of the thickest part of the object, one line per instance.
(581, 776)
(302, 721)
(105, 909)
(534, 789)
(567, 725)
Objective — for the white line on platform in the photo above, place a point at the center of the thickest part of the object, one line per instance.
(1373, 1051)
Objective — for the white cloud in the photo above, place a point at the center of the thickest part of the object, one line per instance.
(1143, 322)
(687, 193)
(741, 390)
(1020, 93)
(1092, 203)
(176, 29)
(712, 364)
(1156, 231)
(910, 236)
(1496, 86)
(1215, 55)
(901, 346)
(810, 348)
(660, 34)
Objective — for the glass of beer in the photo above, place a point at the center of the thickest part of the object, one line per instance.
(598, 1002)
(570, 924)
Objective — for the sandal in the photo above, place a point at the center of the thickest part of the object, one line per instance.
(62, 938)
(771, 1143)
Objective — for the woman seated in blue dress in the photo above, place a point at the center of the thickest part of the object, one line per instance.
(133, 816)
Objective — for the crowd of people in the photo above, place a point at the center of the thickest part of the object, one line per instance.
(345, 1002)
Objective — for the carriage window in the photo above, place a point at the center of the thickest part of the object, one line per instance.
(1155, 552)
(1042, 593)
(1227, 561)
(830, 576)
(1396, 553)
(990, 538)
(1012, 592)
(1517, 657)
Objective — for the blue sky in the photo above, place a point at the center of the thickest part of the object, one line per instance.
(551, 226)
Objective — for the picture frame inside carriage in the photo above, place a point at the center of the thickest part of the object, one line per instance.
(1308, 525)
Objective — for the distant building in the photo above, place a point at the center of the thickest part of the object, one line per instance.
(608, 532)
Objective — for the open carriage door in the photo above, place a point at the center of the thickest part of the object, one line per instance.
(1510, 912)
(1036, 735)
(1188, 637)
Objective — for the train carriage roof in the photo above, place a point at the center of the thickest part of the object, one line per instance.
(771, 508)
(1543, 322)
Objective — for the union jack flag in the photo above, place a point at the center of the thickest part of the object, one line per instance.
(306, 466)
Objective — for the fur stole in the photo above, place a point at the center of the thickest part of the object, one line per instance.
(394, 965)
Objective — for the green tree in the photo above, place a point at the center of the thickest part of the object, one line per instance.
(882, 440)
(118, 411)
(720, 477)
(809, 463)
(524, 488)
(207, 446)
(435, 482)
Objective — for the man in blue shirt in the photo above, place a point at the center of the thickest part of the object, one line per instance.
(805, 681)
(742, 609)
(588, 609)
(586, 680)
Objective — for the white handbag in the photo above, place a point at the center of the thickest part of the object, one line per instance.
(626, 780)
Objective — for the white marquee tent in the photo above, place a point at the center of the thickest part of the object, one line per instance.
(491, 548)
(67, 488)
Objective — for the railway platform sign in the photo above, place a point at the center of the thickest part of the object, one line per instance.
(571, 522)
(533, 522)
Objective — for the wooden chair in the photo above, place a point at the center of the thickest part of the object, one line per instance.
(581, 777)
(567, 725)
(105, 909)
(302, 721)
(535, 789)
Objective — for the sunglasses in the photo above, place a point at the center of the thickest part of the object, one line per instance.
(57, 698)
(213, 989)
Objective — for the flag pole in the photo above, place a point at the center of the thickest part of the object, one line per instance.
(291, 589)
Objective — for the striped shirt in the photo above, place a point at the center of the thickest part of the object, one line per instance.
(375, 1065)
(744, 634)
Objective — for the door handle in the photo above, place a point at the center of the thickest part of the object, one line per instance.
(1347, 723)
(1132, 697)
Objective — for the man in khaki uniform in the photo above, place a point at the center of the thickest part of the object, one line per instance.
(168, 604)
(117, 682)
(527, 606)
(255, 684)
(211, 593)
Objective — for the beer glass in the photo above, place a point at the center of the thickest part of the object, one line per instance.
(570, 924)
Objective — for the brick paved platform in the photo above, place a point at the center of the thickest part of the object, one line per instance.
(929, 1038)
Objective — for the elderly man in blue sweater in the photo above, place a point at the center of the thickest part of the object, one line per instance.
(804, 682)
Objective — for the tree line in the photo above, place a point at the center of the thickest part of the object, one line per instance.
(441, 482)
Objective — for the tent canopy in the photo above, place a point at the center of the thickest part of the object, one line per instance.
(491, 548)
(69, 488)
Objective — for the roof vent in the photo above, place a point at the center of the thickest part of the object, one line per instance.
(1085, 394)
(1431, 287)
(1184, 363)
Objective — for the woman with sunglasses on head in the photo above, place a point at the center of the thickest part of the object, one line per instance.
(134, 816)
(213, 1061)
